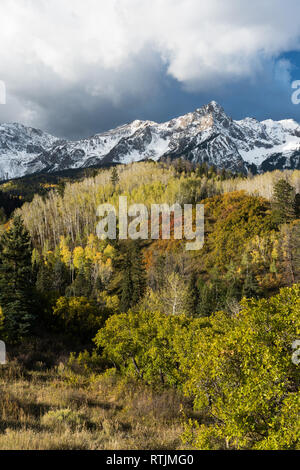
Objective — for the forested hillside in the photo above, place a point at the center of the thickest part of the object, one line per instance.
(214, 327)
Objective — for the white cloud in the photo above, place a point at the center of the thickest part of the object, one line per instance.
(102, 47)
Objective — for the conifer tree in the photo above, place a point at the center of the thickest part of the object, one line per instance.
(192, 296)
(297, 206)
(16, 281)
(250, 287)
(44, 282)
(133, 285)
(138, 273)
(114, 177)
(80, 287)
(206, 301)
(126, 285)
(60, 277)
(223, 174)
(284, 201)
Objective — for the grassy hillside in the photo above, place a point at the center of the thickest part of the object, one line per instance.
(142, 344)
(61, 410)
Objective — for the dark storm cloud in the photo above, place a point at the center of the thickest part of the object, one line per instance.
(76, 68)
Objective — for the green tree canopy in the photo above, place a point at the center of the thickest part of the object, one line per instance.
(16, 281)
(240, 373)
(284, 201)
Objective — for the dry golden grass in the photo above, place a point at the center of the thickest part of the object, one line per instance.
(59, 409)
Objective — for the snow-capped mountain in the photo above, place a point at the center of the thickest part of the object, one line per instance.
(205, 135)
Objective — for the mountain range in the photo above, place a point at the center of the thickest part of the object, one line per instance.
(206, 135)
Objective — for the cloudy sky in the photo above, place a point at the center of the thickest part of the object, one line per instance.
(77, 67)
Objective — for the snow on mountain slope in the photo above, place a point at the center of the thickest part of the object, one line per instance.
(205, 135)
(19, 147)
(276, 137)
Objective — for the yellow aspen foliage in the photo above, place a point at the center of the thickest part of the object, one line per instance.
(92, 241)
(97, 259)
(89, 253)
(78, 257)
(93, 248)
(65, 253)
(109, 251)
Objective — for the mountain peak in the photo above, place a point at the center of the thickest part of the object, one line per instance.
(213, 107)
(138, 123)
(206, 135)
(213, 104)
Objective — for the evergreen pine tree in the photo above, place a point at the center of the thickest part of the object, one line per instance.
(61, 277)
(80, 287)
(192, 300)
(44, 281)
(16, 281)
(138, 273)
(126, 285)
(250, 286)
(114, 177)
(223, 174)
(207, 300)
(284, 201)
(133, 285)
(297, 206)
